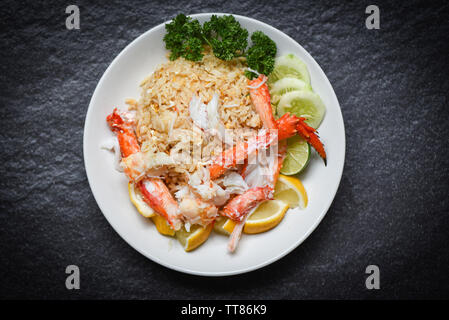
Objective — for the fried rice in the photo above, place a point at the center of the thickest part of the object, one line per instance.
(163, 120)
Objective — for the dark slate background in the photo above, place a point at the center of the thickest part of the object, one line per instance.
(391, 208)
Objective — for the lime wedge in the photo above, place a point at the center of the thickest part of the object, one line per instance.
(297, 157)
(303, 103)
(291, 66)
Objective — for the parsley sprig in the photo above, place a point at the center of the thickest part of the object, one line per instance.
(261, 55)
(186, 37)
(226, 37)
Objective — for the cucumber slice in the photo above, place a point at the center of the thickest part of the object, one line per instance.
(285, 85)
(289, 66)
(288, 84)
(303, 103)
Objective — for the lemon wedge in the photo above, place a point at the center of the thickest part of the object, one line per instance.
(138, 202)
(229, 225)
(291, 190)
(193, 239)
(266, 216)
(288, 193)
(224, 225)
(219, 225)
(162, 226)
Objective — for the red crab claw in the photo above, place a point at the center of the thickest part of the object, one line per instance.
(309, 133)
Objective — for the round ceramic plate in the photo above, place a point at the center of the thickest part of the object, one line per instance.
(109, 187)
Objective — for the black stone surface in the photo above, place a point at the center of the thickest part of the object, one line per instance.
(392, 207)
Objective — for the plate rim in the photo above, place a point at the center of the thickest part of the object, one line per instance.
(241, 270)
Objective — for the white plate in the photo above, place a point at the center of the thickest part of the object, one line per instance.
(109, 187)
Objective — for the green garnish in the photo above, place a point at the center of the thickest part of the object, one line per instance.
(261, 55)
(226, 37)
(250, 75)
(184, 38)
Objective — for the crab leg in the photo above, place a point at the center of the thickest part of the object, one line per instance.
(241, 206)
(311, 137)
(261, 188)
(154, 191)
(158, 197)
(240, 152)
(125, 133)
(260, 95)
(243, 203)
(288, 126)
